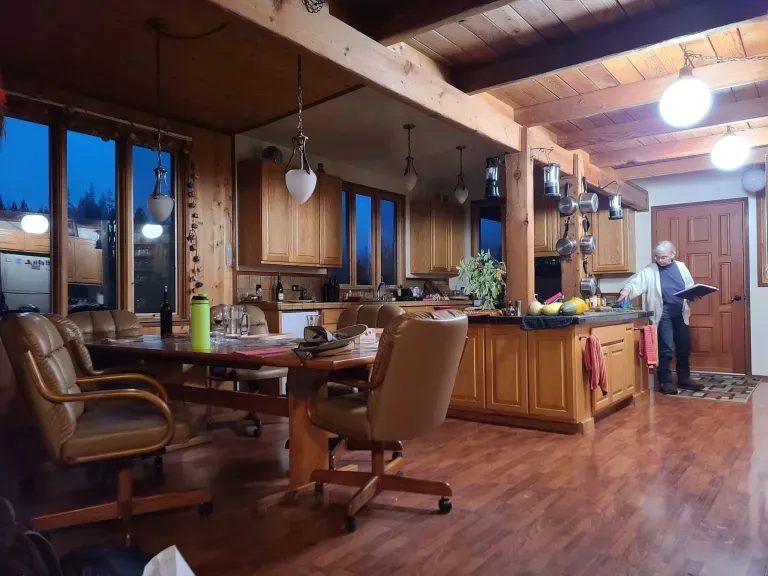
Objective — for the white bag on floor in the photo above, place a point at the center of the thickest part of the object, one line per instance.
(168, 563)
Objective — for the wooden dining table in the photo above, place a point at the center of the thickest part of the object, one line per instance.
(308, 444)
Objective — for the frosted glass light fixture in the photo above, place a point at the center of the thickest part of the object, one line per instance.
(300, 181)
(686, 101)
(730, 152)
(461, 193)
(410, 175)
(151, 231)
(34, 224)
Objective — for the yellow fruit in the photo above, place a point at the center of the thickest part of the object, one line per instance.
(581, 304)
(551, 309)
(534, 309)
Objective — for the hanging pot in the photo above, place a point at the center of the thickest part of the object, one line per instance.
(552, 180)
(567, 205)
(587, 242)
(588, 283)
(566, 245)
(588, 203)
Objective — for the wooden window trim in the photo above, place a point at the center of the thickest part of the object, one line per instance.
(376, 196)
(762, 238)
(474, 209)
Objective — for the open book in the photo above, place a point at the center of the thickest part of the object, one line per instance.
(696, 291)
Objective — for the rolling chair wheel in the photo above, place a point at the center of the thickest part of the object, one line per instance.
(257, 432)
(397, 454)
(351, 524)
(319, 488)
(444, 505)
(159, 465)
(400, 473)
(205, 509)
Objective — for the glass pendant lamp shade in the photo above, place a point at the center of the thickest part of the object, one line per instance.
(410, 180)
(34, 224)
(686, 101)
(151, 231)
(730, 152)
(160, 205)
(461, 195)
(300, 183)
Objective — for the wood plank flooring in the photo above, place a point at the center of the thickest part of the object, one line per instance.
(670, 486)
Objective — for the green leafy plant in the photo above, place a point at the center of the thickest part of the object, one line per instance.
(484, 277)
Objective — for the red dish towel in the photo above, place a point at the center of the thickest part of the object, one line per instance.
(595, 364)
(648, 347)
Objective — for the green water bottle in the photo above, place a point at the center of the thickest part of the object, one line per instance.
(200, 322)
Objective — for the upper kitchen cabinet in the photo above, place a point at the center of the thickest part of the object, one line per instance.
(437, 237)
(546, 226)
(615, 241)
(275, 229)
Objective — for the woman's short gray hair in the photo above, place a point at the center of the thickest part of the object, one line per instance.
(665, 246)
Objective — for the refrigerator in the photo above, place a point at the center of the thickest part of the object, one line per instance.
(25, 282)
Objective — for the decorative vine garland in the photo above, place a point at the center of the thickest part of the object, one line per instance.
(196, 271)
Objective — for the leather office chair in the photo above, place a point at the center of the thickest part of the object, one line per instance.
(407, 397)
(372, 315)
(80, 427)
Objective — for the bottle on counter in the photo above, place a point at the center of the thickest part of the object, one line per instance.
(166, 316)
(200, 322)
(279, 294)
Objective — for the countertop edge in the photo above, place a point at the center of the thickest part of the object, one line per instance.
(299, 306)
(602, 318)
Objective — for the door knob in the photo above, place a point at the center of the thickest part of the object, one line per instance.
(736, 298)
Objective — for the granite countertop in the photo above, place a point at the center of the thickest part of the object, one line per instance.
(292, 306)
(613, 317)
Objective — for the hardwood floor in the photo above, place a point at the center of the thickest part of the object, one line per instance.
(669, 486)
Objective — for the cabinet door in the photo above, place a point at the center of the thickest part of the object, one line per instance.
(629, 360)
(277, 216)
(457, 237)
(99, 261)
(71, 259)
(615, 242)
(550, 374)
(330, 221)
(600, 400)
(12, 239)
(305, 248)
(421, 233)
(506, 369)
(441, 237)
(87, 262)
(617, 372)
(38, 243)
(469, 389)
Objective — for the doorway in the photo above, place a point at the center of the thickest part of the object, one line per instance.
(711, 239)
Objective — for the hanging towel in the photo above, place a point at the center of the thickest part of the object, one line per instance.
(648, 347)
(595, 364)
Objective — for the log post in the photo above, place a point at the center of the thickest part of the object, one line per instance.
(571, 267)
(519, 222)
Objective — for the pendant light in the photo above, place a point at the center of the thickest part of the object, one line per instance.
(159, 204)
(461, 191)
(410, 174)
(731, 151)
(34, 224)
(151, 231)
(687, 100)
(300, 181)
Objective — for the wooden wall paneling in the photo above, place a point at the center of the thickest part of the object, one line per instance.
(57, 138)
(519, 233)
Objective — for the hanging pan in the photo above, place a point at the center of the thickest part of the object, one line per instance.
(567, 205)
(587, 242)
(566, 245)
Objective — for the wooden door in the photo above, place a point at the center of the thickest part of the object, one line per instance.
(711, 240)
(87, 262)
(550, 370)
(441, 237)
(469, 389)
(506, 369)
(457, 236)
(305, 248)
(615, 242)
(330, 220)
(71, 259)
(277, 215)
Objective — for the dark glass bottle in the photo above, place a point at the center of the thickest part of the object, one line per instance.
(279, 294)
(166, 316)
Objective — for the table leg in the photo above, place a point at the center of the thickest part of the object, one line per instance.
(309, 444)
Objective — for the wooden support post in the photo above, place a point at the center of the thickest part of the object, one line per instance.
(519, 223)
(572, 270)
(59, 236)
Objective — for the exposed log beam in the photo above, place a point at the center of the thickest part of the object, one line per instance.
(665, 25)
(684, 166)
(722, 75)
(730, 113)
(673, 150)
(397, 20)
(378, 66)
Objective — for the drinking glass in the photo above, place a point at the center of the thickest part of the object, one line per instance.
(218, 318)
(313, 320)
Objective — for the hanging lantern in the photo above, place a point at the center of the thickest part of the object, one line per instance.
(614, 207)
(461, 193)
(300, 181)
(491, 178)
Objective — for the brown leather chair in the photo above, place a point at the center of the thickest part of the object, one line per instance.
(407, 397)
(100, 324)
(80, 427)
(376, 315)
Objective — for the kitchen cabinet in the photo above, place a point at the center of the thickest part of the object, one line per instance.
(618, 354)
(615, 242)
(275, 229)
(12, 240)
(506, 370)
(469, 389)
(37, 243)
(70, 259)
(551, 375)
(437, 237)
(85, 264)
(546, 226)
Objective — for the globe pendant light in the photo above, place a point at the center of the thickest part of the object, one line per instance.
(300, 181)
(410, 174)
(461, 191)
(686, 101)
(152, 231)
(159, 204)
(753, 181)
(34, 224)
(731, 151)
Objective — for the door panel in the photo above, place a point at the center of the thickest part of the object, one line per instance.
(506, 370)
(710, 241)
(469, 388)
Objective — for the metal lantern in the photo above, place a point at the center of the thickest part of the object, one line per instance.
(552, 180)
(614, 207)
(491, 178)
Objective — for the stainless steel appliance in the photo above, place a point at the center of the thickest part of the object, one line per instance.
(25, 282)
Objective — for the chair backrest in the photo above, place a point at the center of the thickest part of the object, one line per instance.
(100, 324)
(257, 320)
(414, 373)
(33, 333)
(376, 315)
(73, 339)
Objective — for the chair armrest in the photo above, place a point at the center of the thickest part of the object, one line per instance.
(101, 378)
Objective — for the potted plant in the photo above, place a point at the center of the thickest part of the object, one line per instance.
(484, 277)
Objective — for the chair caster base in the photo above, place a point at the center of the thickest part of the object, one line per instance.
(257, 432)
(205, 509)
(397, 454)
(401, 474)
(159, 466)
(351, 524)
(319, 487)
(444, 505)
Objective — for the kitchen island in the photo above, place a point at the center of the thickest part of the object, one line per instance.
(536, 378)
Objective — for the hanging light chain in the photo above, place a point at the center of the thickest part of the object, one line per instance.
(300, 140)
(690, 56)
(409, 164)
(461, 166)
(300, 100)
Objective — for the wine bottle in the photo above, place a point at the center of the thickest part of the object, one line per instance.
(166, 316)
(279, 295)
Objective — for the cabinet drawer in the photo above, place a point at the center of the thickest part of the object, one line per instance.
(609, 334)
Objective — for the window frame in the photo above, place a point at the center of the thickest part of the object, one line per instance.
(762, 236)
(51, 116)
(474, 209)
(353, 189)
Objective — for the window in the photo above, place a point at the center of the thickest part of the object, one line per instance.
(25, 265)
(372, 237)
(488, 227)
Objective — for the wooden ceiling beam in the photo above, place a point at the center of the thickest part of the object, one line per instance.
(378, 66)
(673, 150)
(665, 25)
(716, 76)
(730, 113)
(395, 21)
(684, 166)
